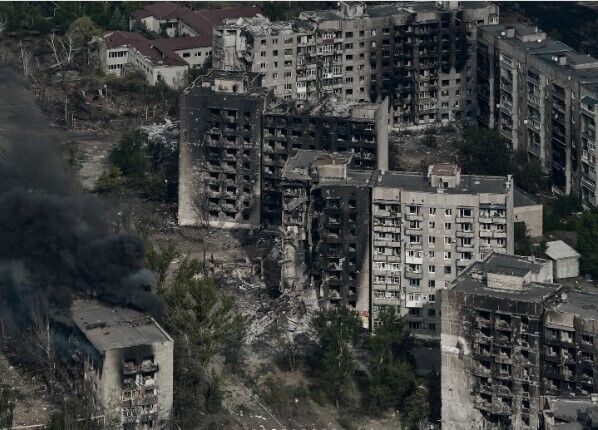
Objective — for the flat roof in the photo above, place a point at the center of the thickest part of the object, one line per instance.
(115, 327)
(298, 166)
(579, 303)
(328, 106)
(416, 181)
(558, 249)
(355, 178)
(472, 280)
(565, 409)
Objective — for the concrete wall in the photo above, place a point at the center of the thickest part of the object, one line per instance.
(196, 56)
(532, 217)
(566, 268)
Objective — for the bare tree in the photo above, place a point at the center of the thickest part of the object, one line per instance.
(3, 26)
(63, 49)
(42, 336)
(201, 207)
(25, 60)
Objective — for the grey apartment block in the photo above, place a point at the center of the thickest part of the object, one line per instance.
(541, 95)
(129, 363)
(420, 231)
(510, 337)
(220, 150)
(426, 229)
(419, 55)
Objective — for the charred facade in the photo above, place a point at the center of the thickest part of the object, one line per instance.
(330, 125)
(510, 336)
(129, 363)
(419, 55)
(220, 150)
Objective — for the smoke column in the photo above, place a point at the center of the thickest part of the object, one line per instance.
(56, 242)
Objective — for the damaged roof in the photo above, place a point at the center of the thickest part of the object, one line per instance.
(298, 167)
(579, 303)
(329, 106)
(156, 52)
(111, 327)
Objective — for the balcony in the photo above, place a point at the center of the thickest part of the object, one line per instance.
(413, 275)
(132, 369)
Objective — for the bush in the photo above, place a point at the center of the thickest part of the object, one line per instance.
(128, 155)
(110, 180)
(430, 141)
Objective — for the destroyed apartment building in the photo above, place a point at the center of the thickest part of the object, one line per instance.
(420, 55)
(236, 138)
(377, 239)
(128, 362)
(510, 338)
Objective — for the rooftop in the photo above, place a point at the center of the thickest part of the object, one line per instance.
(251, 82)
(579, 303)
(154, 51)
(415, 181)
(329, 106)
(565, 410)
(474, 280)
(299, 166)
(521, 198)
(185, 42)
(108, 327)
(558, 249)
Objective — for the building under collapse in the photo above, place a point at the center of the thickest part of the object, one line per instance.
(389, 239)
(129, 364)
(235, 139)
(419, 55)
(541, 95)
(510, 337)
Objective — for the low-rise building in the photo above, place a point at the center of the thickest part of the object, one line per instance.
(565, 258)
(129, 364)
(562, 413)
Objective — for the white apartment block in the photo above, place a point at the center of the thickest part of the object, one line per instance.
(428, 229)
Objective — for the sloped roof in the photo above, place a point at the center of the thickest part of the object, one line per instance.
(558, 249)
(121, 38)
(178, 43)
(161, 10)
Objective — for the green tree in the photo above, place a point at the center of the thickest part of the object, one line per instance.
(129, 154)
(206, 320)
(337, 330)
(158, 260)
(82, 30)
(587, 241)
(118, 21)
(523, 241)
(483, 151)
(392, 378)
(7, 406)
(528, 174)
(417, 408)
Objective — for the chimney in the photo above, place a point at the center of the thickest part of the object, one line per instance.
(563, 296)
(562, 60)
(509, 32)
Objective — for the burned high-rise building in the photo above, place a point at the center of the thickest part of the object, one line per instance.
(330, 125)
(326, 225)
(510, 337)
(220, 150)
(235, 139)
(129, 364)
(419, 55)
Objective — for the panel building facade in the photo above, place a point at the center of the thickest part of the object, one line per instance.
(420, 232)
(419, 55)
(129, 364)
(541, 95)
(509, 338)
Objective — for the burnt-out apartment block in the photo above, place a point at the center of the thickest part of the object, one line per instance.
(331, 125)
(541, 95)
(326, 226)
(491, 343)
(419, 55)
(220, 150)
(129, 363)
(511, 337)
(426, 229)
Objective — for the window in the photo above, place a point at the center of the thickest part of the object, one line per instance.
(414, 282)
(432, 297)
(275, 52)
(432, 211)
(431, 240)
(447, 240)
(186, 54)
(262, 53)
(431, 254)
(431, 269)
(431, 284)
(447, 270)
(431, 312)
(431, 225)
(447, 226)
(448, 212)
(447, 255)
(465, 213)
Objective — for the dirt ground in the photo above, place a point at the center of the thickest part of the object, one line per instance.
(94, 148)
(33, 405)
(409, 153)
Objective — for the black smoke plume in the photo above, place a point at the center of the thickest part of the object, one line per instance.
(56, 242)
